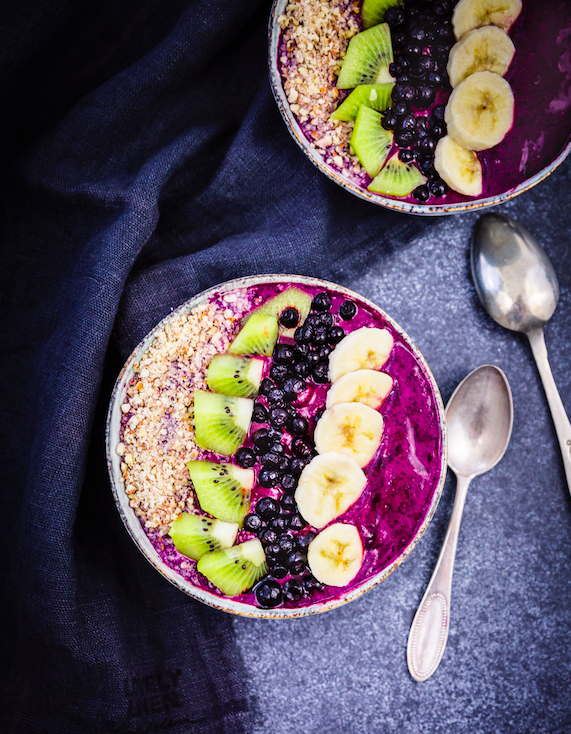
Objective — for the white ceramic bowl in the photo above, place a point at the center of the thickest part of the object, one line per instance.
(133, 524)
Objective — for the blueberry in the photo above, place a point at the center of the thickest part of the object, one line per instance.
(303, 333)
(428, 144)
(405, 78)
(265, 386)
(297, 466)
(426, 166)
(278, 417)
(321, 302)
(425, 96)
(300, 350)
(272, 551)
(302, 447)
(408, 122)
(321, 373)
(252, 522)
(437, 187)
(289, 482)
(406, 156)
(269, 593)
(296, 562)
(326, 319)
(336, 333)
(267, 507)
(260, 414)
(436, 79)
(293, 387)
(284, 464)
(438, 112)
(296, 522)
(297, 425)
(268, 478)
(261, 439)
(245, 458)
(293, 590)
(270, 460)
(408, 93)
(395, 69)
(441, 51)
(400, 109)
(275, 395)
(303, 541)
(289, 317)
(421, 193)
(277, 447)
(286, 544)
(347, 310)
(311, 584)
(279, 373)
(268, 536)
(405, 138)
(324, 352)
(426, 64)
(413, 49)
(417, 33)
(287, 502)
(399, 39)
(312, 320)
(320, 335)
(301, 369)
(442, 8)
(389, 121)
(283, 354)
(279, 571)
(313, 358)
(274, 436)
(421, 123)
(394, 16)
(279, 525)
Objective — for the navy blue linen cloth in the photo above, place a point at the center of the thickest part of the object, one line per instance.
(143, 160)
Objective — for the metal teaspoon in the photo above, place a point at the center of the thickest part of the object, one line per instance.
(479, 418)
(518, 287)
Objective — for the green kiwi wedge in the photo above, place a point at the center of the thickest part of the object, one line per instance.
(223, 490)
(221, 422)
(195, 535)
(290, 298)
(235, 570)
(367, 59)
(375, 96)
(231, 374)
(370, 141)
(397, 178)
(373, 11)
(258, 335)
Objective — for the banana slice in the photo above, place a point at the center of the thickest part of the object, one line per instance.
(336, 555)
(458, 166)
(480, 112)
(469, 14)
(483, 49)
(361, 349)
(352, 429)
(363, 386)
(327, 487)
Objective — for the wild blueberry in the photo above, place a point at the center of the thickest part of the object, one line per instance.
(289, 317)
(400, 109)
(272, 550)
(279, 525)
(268, 537)
(268, 478)
(320, 335)
(436, 79)
(426, 166)
(289, 482)
(265, 386)
(421, 193)
(326, 319)
(417, 33)
(324, 352)
(284, 464)
(261, 439)
(300, 350)
(312, 319)
(303, 541)
(425, 96)
(283, 354)
(287, 502)
(278, 416)
(296, 562)
(311, 584)
(297, 425)
(279, 373)
(438, 112)
(437, 187)
(313, 358)
(347, 310)
(286, 543)
(301, 369)
(408, 123)
(269, 593)
(406, 156)
(297, 466)
(426, 64)
(260, 414)
(413, 49)
(275, 395)
(267, 507)
(336, 333)
(270, 460)
(405, 138)
(438, 130)
(321, 373)
(302, 447)
(277, 447)
(390, 121)
(293, 387)
(428, 144)
(252, 522)
(293, 590)
(296, 522)
(321, 302)
(245, 457)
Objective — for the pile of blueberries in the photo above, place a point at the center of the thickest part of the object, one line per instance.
(281, 529)
(422, 37)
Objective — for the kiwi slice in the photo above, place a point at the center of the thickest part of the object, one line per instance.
(221, 422)
(223, 490)
(367, 59)
(397, 178)
(195, 535)
(231, 374)
(373, 11)
(234, 570)
(370, 141)
(258, 335)
(375, 96)
(290, 298)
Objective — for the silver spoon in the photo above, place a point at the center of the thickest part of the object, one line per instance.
(479, 418)
(518, 287)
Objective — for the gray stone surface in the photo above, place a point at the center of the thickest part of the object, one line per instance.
(507, 665)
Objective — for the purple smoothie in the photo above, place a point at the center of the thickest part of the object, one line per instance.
(402, 477)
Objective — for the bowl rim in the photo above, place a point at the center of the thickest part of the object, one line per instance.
(316, 158)
(131, 521)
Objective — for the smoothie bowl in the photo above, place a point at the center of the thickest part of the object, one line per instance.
(426, 107)
(276, 446)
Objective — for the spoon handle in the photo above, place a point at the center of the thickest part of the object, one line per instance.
(560, 419)
(429, 630)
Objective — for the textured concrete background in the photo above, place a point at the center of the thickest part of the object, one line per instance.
(507, 665)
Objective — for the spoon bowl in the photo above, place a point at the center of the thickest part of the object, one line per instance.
(479, 418)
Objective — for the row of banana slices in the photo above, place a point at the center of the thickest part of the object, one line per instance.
(480, 110)
(346, 438)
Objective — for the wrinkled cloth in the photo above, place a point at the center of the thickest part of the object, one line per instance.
(144, 159)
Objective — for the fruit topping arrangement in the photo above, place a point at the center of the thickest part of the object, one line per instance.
(289, 425)
(421, 91)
